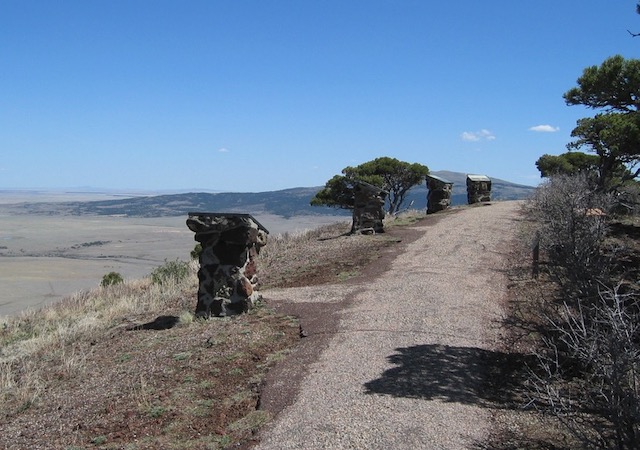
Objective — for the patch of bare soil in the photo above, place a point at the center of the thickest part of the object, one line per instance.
(326, 255)
(147, 384)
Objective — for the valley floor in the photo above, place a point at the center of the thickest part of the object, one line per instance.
(46, 258)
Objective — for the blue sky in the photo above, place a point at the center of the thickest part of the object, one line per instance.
(263, 95)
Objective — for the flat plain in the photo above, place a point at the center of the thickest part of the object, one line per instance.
(44, 258)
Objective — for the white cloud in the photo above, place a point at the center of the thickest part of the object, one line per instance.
(488, 135)
(544, 129)
(467, 136)
(475, 136)
(223, 150)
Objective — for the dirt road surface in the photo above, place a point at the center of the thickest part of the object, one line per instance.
(399, 362)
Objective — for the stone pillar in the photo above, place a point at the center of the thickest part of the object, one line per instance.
(478, 189)
(368, 208)
(439, 196)
(227, 275)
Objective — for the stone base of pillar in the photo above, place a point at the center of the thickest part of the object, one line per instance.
(368, 210)
(227, 277)
(439, 196)
(478, 189)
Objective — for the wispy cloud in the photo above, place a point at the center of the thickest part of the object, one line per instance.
(544, 129)
(223, 150)
(475, 136)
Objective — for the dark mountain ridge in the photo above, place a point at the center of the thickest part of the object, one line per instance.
(286, 203)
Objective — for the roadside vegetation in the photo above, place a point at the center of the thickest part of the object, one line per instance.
(579, 313)
(127, 365)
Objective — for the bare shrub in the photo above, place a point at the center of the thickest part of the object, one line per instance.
(571, 217)
(588, 353)
(628, 199)
(590, 363)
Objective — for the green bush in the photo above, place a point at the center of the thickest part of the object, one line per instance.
(195, 253)
(111, 278)
(170, 271)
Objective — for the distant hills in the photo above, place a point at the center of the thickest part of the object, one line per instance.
(285, 203)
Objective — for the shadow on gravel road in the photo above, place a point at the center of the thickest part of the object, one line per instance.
(465, 375)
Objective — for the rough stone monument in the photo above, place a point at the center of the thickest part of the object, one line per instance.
(368, 208)
(478, 189)
(439, 196)
(227, 275)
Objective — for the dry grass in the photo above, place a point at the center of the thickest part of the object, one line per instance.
(325, 255)
(84, 315)
(128, 366)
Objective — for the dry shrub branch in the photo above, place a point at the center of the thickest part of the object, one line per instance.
(588, 320)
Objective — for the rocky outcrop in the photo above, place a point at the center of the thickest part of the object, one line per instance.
(478, 189)
(228, 272)
(368, 208)
(439, 196)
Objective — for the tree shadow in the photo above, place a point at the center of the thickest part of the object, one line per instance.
(465, 375)
(159, 323)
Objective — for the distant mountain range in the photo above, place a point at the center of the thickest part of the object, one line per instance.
(286, 203)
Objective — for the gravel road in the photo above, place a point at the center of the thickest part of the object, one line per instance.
(402, 367)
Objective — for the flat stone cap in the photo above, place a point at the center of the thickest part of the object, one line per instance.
(440, 179)
(215, 215)
(370, 187)
(478, 178)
